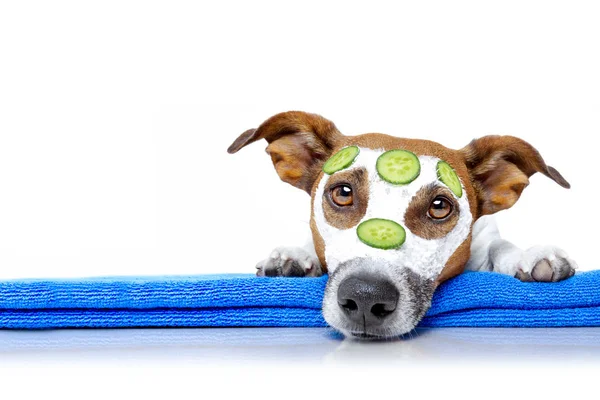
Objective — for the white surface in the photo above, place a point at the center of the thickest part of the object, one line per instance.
(294, 363)
(115, 117)
(310, 346)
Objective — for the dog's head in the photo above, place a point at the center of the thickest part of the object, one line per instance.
(389, 226)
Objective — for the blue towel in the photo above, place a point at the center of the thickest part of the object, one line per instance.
(471, 299)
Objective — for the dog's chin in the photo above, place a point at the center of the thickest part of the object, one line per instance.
(372, 334)
(369, 337)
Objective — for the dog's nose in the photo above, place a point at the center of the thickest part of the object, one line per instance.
(367, 300)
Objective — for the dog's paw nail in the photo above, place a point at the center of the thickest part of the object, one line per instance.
(274, 254)
(523, 276)
(307, 265)
(284, 257)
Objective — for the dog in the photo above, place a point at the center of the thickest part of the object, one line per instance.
(393, 218)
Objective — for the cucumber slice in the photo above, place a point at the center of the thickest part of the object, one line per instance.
(381, 233)
(448, 176)
(398, 167)
(341, 160)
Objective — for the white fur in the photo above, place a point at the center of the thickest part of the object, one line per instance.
(425, 257)
(489, 252)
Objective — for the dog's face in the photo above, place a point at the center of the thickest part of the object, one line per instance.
(435, 224)
(390, 225)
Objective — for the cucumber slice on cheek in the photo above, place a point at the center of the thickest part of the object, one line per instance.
(341, 160)
(381, 233)
(448, 176)
(398, 167)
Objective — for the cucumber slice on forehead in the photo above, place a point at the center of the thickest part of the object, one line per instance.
(448, 176)
(398, 166)
(341, 160)
(381, 233)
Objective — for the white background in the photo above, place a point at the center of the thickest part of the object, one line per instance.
(115, 118)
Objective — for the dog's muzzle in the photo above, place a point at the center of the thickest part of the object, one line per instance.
(371, 299)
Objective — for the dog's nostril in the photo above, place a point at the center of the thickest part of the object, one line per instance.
(349, 305)
(382, 310)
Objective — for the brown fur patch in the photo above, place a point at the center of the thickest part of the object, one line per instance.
(290, 157)
(501, 188)
(299, 144)
(349, 216)
(417, 219)
(500, 167)
(456, 263)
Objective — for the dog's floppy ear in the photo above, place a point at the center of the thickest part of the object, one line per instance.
(500, 167)
(299, 144)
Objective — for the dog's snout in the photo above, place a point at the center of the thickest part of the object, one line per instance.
(367, 300)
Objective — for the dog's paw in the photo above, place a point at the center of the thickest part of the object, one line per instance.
(545, 264)
(289, 261)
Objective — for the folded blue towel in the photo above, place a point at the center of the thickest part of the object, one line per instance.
(471, 299)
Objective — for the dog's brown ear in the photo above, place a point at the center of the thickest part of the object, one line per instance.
(299, 144)
(500, 167)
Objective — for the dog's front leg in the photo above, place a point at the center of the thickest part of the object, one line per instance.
(291, 261)
(489, 252)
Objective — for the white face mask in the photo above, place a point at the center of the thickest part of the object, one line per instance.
(424, 257)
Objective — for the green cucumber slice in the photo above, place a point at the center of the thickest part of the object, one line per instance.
(448, 176)
(381, 233)
(398, 167)
(341, 160)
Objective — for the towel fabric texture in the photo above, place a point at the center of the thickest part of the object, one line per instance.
(473, 299)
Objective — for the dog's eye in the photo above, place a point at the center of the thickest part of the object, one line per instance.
(440, 208)
(342, 195)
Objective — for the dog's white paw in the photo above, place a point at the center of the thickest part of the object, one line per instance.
(289, 261)
(545, 264)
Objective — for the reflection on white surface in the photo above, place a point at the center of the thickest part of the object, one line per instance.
(312, 345)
